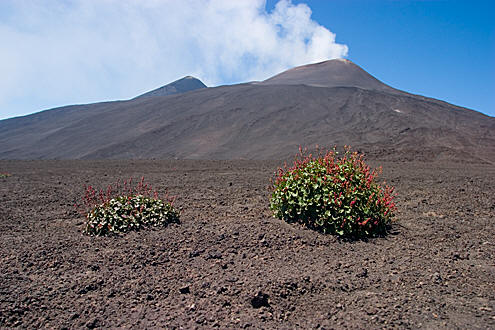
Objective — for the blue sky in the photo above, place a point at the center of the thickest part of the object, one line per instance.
(81, 51)
(439, 48)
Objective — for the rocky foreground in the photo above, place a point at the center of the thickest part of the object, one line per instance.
(230, 264)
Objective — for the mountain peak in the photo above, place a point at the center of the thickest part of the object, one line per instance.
(185, 84)
(332, 73)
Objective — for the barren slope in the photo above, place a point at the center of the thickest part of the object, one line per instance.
(258, 121)
(334, 73)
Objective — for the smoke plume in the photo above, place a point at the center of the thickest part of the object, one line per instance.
(79, 51)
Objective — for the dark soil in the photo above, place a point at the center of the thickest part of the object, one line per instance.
(229, 264)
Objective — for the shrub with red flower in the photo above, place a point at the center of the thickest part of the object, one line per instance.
(333, 194)
(122, 208)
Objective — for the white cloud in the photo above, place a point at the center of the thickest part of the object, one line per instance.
(79, 51)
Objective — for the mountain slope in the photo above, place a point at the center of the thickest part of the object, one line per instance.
(182, 85)
(257, 121)
(335, 73)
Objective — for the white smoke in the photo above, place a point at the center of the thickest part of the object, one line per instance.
(79, 51)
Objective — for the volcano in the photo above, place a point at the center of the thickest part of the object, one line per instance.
(336, 73)
(329, 103)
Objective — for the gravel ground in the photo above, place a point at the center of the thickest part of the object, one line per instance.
(230, 264)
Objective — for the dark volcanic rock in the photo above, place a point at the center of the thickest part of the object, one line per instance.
(260, 300)
(184, 289)
(436, 271)
(329, 103)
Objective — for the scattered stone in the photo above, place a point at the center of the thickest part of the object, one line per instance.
(111, 294)
(232, 279)
(363, 273)
(194, 253)
(214, 255)
(88, 288)
(436, 278)
(185, 289)
(95, 323)
(260, 300)
(221, 290)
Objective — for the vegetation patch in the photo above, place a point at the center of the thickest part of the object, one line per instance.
(5, 175)
(332, 193)
(122, 208)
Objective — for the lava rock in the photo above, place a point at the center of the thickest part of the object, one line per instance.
(260, 300)
(185, 289)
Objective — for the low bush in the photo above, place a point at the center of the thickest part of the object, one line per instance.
(334, 194)
(119, 209)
